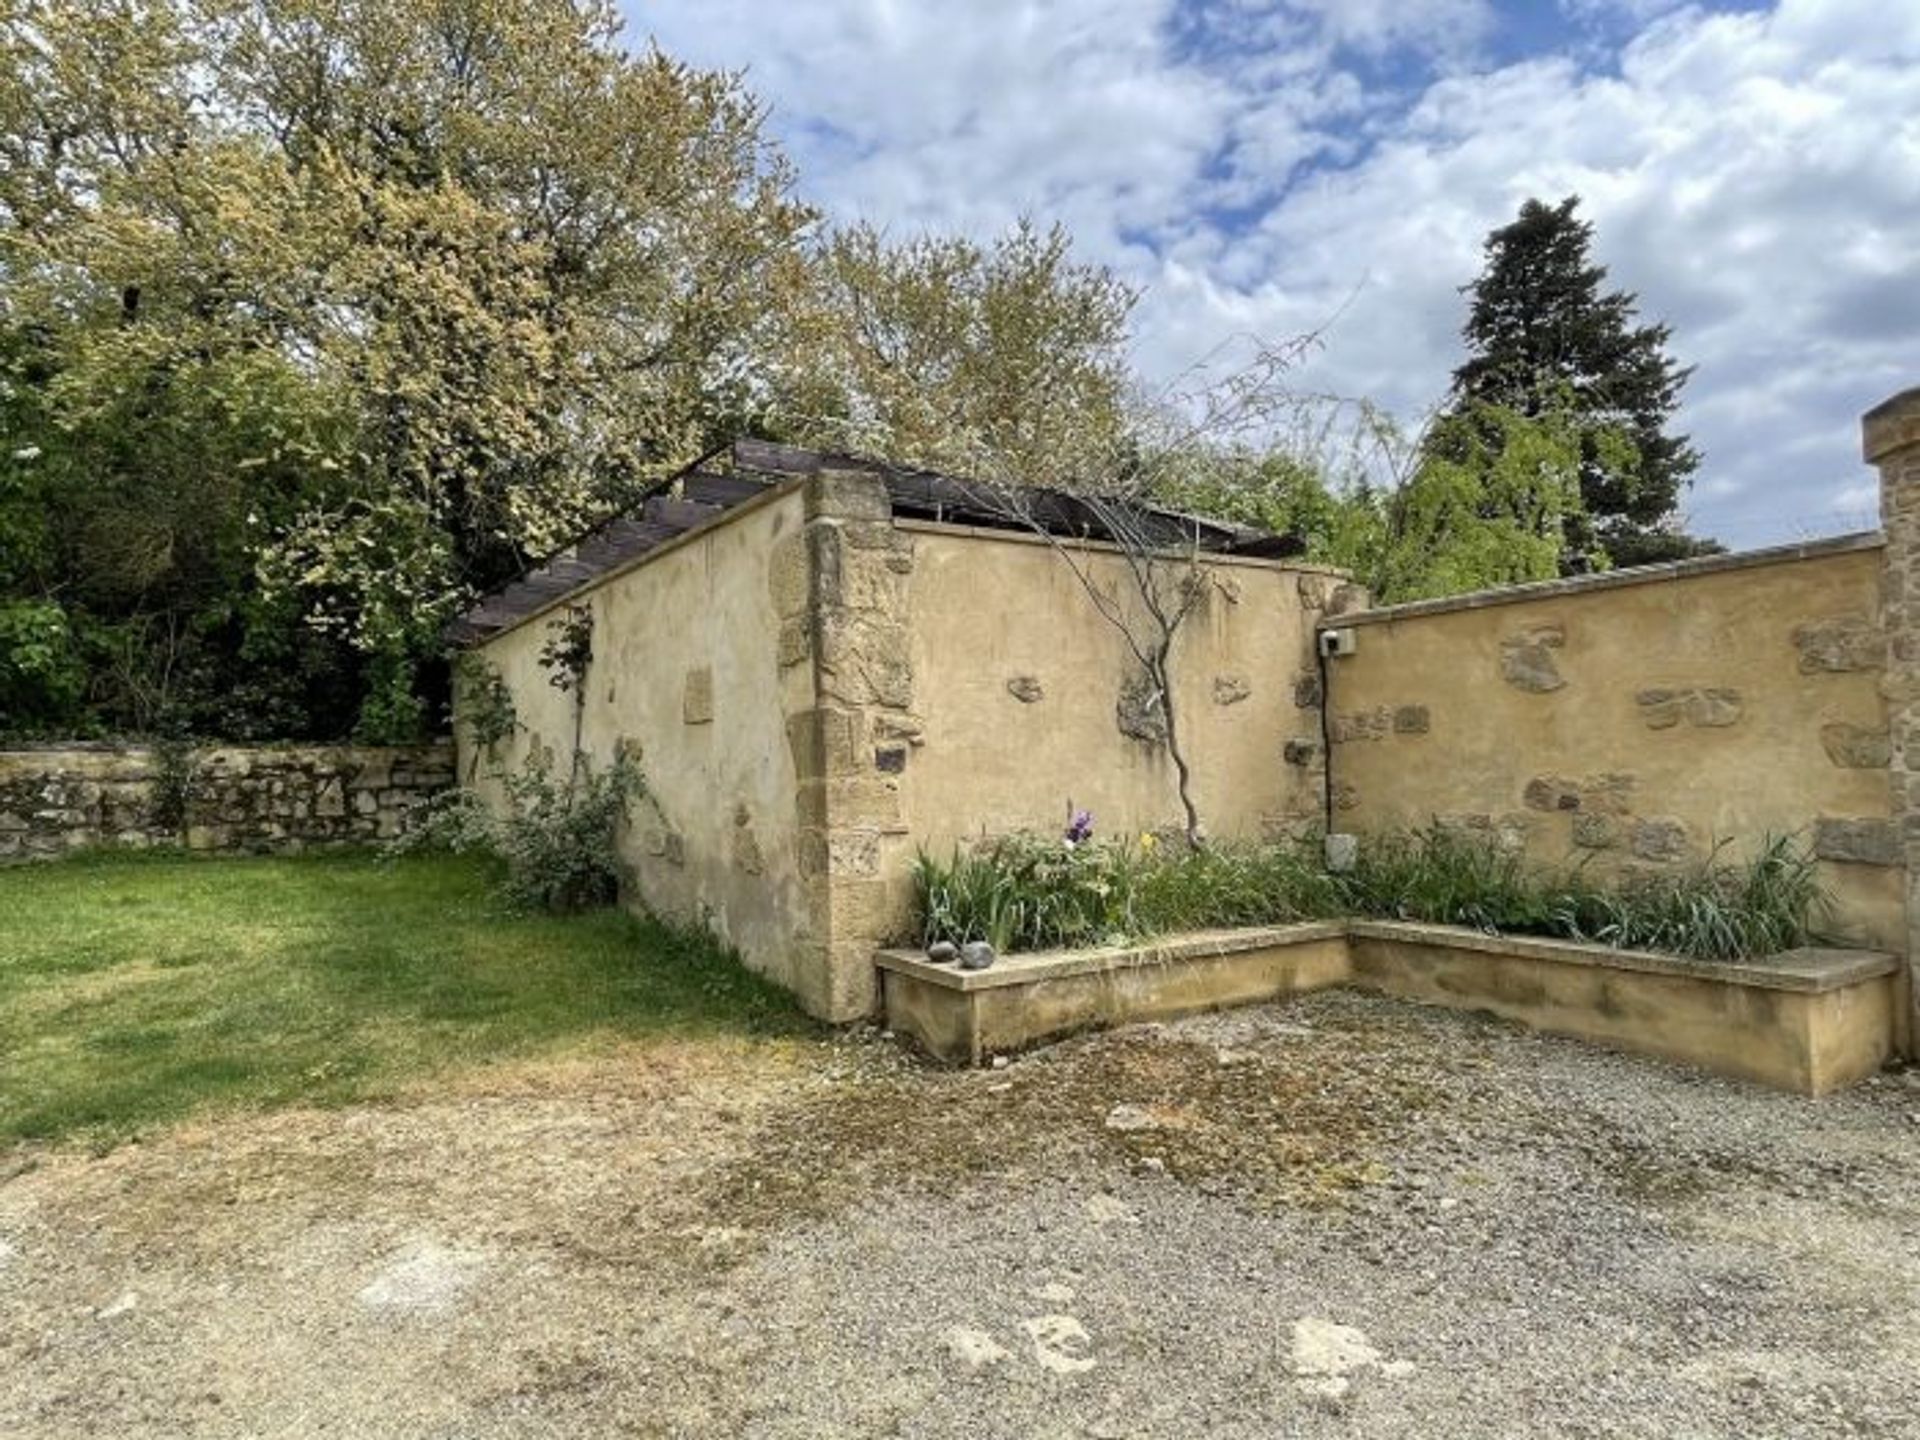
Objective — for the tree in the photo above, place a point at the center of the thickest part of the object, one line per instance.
(1003, 358)
(1481, 497)
(334, 311)
(1543, 333)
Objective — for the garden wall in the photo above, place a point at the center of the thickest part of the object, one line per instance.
(688, 677)
(1639, 720)
(55, 799)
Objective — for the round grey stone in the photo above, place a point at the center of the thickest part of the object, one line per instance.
(941, 952)
(976, 955)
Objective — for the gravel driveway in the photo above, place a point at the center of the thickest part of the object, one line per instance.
(1337, 1216)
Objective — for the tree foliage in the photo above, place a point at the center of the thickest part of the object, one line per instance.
(1543, 333)
(1484, 496)
(318, 314)
(1007, 357)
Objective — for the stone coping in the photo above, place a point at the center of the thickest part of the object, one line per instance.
(1612, 579)
(1032, 966)
(1205, 558)
(1809, 970)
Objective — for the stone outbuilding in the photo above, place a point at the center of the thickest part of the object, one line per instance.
(825, 666)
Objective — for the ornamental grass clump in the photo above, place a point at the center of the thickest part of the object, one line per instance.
(1024, 892)
(1716, 910)
(1719, 911)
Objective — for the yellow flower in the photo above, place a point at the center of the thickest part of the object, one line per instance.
(1148, 840)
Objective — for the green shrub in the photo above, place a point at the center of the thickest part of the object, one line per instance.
(558, 841)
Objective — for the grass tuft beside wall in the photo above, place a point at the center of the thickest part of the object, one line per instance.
(134, 990)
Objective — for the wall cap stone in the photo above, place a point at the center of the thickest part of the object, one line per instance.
(1810, 970)
(1619, 579)
(1207, 558)
(1891, 425)
(1036, 965)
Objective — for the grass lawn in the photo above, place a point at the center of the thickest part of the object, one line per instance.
(134, 990)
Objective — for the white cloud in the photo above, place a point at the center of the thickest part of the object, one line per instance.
(1755, 177)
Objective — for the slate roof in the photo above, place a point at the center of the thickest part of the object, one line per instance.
(706, 491)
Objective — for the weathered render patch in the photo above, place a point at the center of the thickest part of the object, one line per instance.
(1526, 659)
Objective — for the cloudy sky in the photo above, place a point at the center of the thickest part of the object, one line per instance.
(1753, 172)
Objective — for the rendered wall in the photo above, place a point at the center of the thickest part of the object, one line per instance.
(1635, 720)
(687, 674)
(818, 691)
(1018, 683)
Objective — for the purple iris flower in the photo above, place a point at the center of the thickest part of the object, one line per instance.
(1079, 825)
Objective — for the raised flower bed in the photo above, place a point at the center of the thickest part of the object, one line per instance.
(1809, 1020)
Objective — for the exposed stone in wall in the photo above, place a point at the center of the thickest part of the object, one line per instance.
(1411, 720)
(1316, 591)
(1358, 725)
(1610, 793)
(747, 855)
(1526, 659)
(854, 742)
(1346, 599)
(1709, 708)
(1231, 689)
(1660, 840)
(1890, 441)
(1307, 691)
(1509, 832)
(696, 704)
(1137, 710)
(890, 725)
(1595, 832)
(1027, 689)
(226, 798)
(1301, 752)
(1856, 747)
(1345, 795)
(1869, 841)
(1840, 643)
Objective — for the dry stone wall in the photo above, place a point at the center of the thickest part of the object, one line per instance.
(54, 800)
